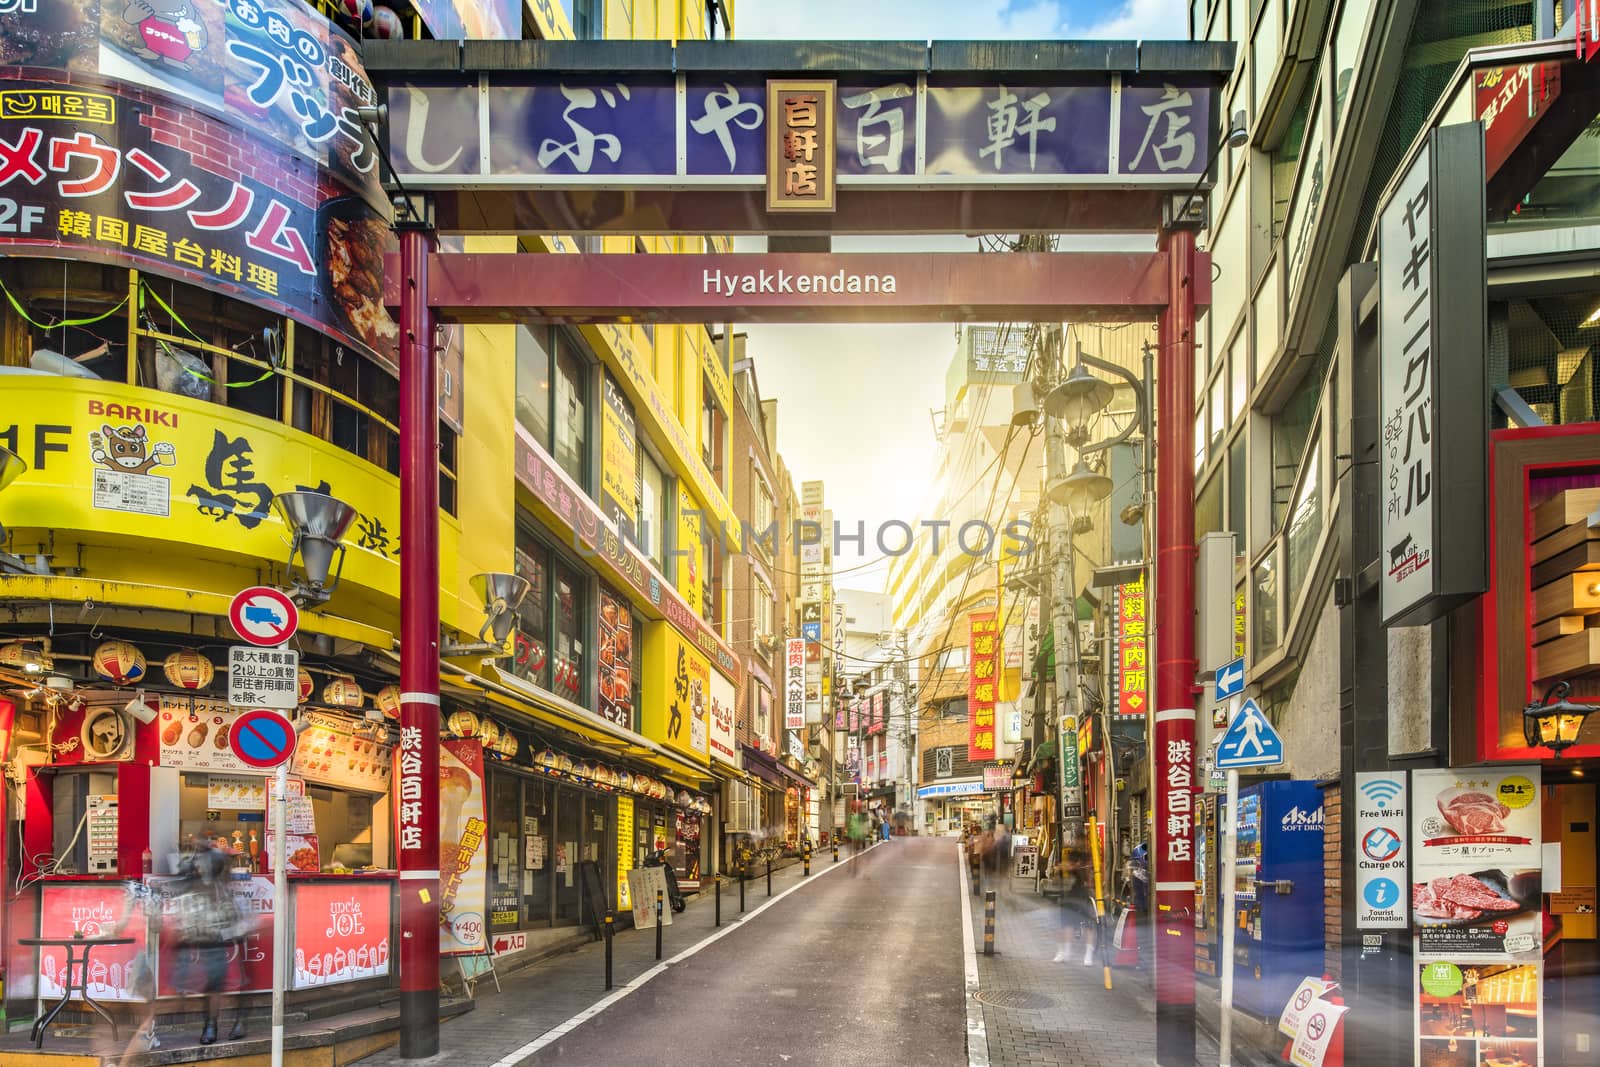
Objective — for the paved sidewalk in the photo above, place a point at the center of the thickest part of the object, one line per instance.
(1039, 1013)
(540, 998)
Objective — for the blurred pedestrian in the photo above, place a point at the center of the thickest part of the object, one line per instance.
(1077, 907)
(211, 928)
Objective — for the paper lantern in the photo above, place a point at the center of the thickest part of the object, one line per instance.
(488, 731)
(307, 686)
(387, 700)
(357, 10)
(624, 780)
(566, 763)
(386, 24)
(547, 758)
(684, 799)
(189, 669)
(120, 662)
(343, 693)
(507, 745)
(463, 724)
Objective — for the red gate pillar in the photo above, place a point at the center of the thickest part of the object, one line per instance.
(1172, 739)
(417, 810)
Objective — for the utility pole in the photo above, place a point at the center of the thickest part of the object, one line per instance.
(1063, 601)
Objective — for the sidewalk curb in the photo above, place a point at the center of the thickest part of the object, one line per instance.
(977, 1034)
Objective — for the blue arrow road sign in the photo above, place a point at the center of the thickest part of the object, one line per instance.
(1250, 741)
(1230, 679)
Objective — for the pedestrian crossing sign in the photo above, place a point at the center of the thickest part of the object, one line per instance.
(1250, 741)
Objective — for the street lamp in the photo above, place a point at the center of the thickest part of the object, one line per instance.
(1554, 722)
(317, 523)
(12, 467)
(1078, 399)
(1080, 490)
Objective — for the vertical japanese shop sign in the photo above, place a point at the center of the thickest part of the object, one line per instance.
(1238, 623)
(1132, 666)
(409, 797)
(1433, 380)
(801, 149)
(983, 657)
(794, 684)
(463, 852)
(618, 458)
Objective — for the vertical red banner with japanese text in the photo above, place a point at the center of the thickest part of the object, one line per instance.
(463, 850)
(1133, 683)
(983, 656)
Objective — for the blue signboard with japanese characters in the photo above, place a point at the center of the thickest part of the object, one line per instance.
(581, 128)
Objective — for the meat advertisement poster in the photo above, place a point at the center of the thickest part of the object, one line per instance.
(1476, 863)
(463, 852)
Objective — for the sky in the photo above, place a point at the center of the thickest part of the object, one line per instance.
(855, 402)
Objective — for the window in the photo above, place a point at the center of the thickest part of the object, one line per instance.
(711, 596)
(1236, 490)
(553, 396)
(571, 417)
(1347, 36)
(1305, 522)
(761, 609)
(712, 424)
(530, 658)
(1264, 51)
(1264, 603)
(587, 18)
(763, 513)
(533, 382)
(567, 663)
(653, 514)
(1286, 158)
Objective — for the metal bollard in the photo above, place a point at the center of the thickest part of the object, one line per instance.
(611, 922)
(658, 924)
(988, 923)
(718, 880)
(973, 862)
(769, 878)
(836, 849)
(742, 873)
(808, 861)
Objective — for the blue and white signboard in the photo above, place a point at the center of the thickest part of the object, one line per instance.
(1250, 741)
(657, 127)
(811, 631)
(1230, 679)
(1381, 827)
(950, 789)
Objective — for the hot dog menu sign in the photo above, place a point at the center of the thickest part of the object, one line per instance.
(1477, 862)
(194, 736)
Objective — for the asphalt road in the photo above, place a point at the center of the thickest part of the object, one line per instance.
(859, 967)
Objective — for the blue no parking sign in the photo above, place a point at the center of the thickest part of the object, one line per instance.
(262, 738)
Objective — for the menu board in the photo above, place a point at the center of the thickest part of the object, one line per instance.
(616, 661)
(341, 932)
(330, 753)
(1477, 863)
(227, 792)
(194, 736)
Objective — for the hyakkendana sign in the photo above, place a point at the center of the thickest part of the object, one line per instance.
(800, 145)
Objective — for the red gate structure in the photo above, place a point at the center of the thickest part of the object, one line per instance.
(910, 138)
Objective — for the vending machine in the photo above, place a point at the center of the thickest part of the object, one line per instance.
(1278, 879)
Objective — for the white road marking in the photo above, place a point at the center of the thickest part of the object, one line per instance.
(977, 1036)
(555, 1034)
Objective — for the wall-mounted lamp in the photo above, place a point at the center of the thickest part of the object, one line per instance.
(501, 594)
(318, 523)
(1554, 722)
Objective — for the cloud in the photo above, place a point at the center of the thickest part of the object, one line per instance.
(961, 20)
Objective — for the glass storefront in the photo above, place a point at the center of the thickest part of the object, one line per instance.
(539, 832)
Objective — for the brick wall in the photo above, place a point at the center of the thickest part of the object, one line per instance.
(1332, 893)
(232, 153)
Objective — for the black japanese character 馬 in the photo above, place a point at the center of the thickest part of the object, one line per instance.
(231, 487)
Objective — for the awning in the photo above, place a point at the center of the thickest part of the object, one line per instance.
(763, 766)
(1045, 751)
(795, 776)
(509, 691)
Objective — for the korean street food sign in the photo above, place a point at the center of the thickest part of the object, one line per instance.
(801, 145)
(256, 179)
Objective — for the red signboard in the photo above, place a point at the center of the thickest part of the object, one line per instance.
(463, 848)
(983, 660)
(249, 963)
(341, 932)
(1511, 101)
(1588, 29)
(1133, 684)
(877, 714)
(89, 909)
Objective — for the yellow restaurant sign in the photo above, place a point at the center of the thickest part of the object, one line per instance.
(108, 462)
(677, 687)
